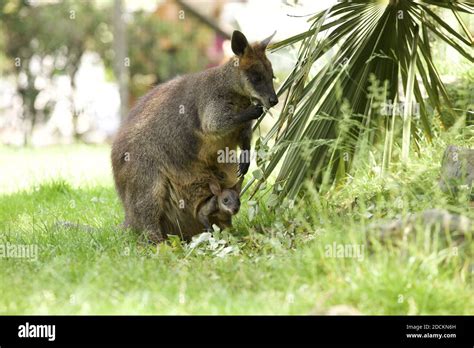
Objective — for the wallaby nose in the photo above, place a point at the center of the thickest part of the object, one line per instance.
(273, 101)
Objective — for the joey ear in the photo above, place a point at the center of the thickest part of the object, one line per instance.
(215, 188)
(239, 43)
(264, 43)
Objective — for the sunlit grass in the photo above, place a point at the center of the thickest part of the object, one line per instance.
(279, 264)
(79, 165)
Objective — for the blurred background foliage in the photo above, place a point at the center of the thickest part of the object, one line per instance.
(42, 40)
(462, 93)
(161, 49)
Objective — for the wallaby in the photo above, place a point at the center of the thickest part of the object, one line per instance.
(222, 205)
(174, 133)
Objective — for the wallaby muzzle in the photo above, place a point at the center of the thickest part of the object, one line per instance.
(270, 99)
(273, 100)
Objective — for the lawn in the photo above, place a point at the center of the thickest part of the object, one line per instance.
(60, 204)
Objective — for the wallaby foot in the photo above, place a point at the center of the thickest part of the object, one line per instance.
(152, 237)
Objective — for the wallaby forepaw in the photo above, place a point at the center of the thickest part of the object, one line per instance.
(258, 111)
(243, 168)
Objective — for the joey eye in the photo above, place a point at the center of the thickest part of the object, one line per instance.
(226, 200)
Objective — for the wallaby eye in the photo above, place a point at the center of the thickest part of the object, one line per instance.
(226, 200)
(256, 78)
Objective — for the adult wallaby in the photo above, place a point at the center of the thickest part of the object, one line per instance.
(174, 133)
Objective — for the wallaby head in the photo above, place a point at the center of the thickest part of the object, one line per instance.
(255, 70)
(228, 199)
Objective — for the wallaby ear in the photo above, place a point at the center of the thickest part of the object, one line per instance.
(239, 43)
(264, 43)
(215, 188)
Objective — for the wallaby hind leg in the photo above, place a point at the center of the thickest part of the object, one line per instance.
(152, 236)
(129, 221)
(148, 230)
(151, 225)
(144, 214)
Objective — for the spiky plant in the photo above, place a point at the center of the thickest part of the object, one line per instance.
(377, 54)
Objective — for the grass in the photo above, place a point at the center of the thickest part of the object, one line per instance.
(274, 261)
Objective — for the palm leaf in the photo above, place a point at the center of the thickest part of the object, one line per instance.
(367, 41)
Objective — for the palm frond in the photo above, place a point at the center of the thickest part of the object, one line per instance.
(364, 41)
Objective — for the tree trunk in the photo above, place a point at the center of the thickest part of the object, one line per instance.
(121, 64)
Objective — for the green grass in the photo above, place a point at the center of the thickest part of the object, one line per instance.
(277, 263)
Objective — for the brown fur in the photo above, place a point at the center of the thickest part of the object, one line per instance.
(254, 55)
